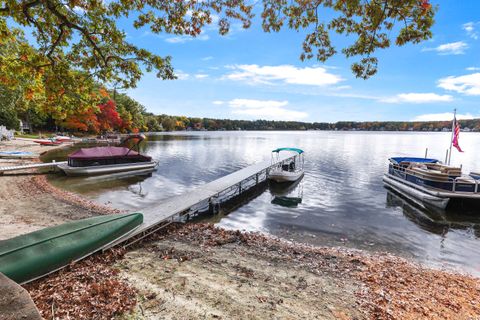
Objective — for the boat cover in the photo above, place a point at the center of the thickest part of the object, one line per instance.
(101, 153)
(299, 151)
(412, 159)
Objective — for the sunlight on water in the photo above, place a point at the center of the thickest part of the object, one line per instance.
(343, 201)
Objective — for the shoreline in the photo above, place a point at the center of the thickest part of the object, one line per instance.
(30, 202)
(200, 271)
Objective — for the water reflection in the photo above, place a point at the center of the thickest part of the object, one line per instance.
(286, 194)
(432, 219)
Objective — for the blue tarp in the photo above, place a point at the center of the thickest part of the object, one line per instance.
(412, 159)
(299, 151)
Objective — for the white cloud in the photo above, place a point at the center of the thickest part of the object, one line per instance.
(286, 74)
(417, 98)
(207, 58)
(201, 76)
(442, 117)
(453, 48)
(265, 109)
(468, 84)
(218, 102)
(469, 27)
(182, 75)
(472, 69)
(183, 39)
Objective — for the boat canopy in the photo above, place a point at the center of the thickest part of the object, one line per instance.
(102, 153)
(412, 159)
(299, 151)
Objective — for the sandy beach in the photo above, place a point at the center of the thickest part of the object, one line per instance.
(197, 271)
(29, 202)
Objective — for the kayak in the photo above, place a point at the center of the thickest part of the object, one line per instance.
(33, 255)
(48, 142)
(17, 155)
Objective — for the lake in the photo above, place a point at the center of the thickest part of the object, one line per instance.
(344, 202)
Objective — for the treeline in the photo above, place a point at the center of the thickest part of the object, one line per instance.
(174, 123)
(118, 112)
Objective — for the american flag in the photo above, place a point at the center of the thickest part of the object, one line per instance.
(456, 134)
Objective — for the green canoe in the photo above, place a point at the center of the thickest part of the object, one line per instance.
(35, 254)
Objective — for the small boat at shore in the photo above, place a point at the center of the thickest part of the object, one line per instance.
(106, 160)
(287, 171)
(48, 142)
(431, 181)
(18, 155)
(62, 138)
(30, 256)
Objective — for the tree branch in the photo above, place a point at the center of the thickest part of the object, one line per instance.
(68, 23)
(55, 44)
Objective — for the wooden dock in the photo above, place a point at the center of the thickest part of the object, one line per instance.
(203, 197)
(31, 166)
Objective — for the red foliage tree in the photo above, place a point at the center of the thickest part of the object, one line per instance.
(83, 121)
(108, 117)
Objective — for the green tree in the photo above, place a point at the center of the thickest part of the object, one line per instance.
(168, 123)
(152, 124)
(125, 104)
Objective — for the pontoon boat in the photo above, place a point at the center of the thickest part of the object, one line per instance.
(105, 160)
(431, 181)
(290, 170)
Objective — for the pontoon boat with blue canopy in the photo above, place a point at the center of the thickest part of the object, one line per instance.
(431, 181)
(289, 170)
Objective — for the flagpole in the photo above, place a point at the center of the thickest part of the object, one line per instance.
(453, 130)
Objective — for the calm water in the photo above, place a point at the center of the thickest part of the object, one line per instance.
(344, 202)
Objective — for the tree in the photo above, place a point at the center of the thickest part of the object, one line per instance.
(152, 124)
(108, 117)
(33, 86)
(85, 32)
(8, 116)
(125, 104)
(168, 123)
(83, 121)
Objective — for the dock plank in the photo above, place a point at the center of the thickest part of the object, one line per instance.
(31, 166)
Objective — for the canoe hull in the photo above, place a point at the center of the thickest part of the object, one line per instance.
(30, 256)
(106, 169)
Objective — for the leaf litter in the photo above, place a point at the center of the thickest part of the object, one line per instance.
(387, 287)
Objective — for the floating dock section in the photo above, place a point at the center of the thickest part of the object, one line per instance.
(206, 196)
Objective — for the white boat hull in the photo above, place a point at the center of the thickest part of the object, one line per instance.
(106, 169)
(285, 176)
(439, 202)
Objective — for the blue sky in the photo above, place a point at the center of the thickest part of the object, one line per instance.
(250, 74)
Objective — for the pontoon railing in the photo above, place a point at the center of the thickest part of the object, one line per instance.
(455, 181)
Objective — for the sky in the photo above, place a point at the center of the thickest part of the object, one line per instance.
(250, 74)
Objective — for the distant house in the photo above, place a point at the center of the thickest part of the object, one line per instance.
(467, 129)
(445, 130)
